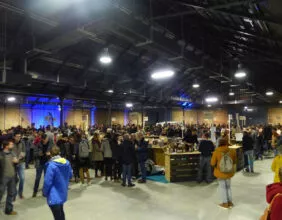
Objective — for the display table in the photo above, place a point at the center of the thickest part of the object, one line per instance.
(181, 167)
(240, 156)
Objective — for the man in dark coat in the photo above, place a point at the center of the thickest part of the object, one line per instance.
(127, 160)
(7, 175)
(142, 156)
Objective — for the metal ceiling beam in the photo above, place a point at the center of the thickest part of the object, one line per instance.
(216, 9)
(245, 33)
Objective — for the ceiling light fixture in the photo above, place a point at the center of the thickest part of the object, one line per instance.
(110, 91)
(269, 93)
(129, 105)
(105, 57)
(211, 99)
(280, 101)
(11, 99)
(163, 74)
(125, 93)
(196, 85)
(231, 93)
(240, 74)
(209, 106)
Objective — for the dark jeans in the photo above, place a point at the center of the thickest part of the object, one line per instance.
(135, 170)
(205, 167)
(143, 170)
(108, 166)
(27, 157)
(117, 170)
(126, 173)
(98, 166)
(20, 173)
(58, 212)
(10, 184)
(39, 170)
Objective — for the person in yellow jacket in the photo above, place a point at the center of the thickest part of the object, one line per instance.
(224, 161)
(277, 164)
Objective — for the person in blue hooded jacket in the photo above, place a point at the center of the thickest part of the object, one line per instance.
(142, 156)
(56, 182)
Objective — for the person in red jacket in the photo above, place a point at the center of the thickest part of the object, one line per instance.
(271, 191)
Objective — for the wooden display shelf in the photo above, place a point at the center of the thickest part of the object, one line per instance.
(240, 156)
(181, 166)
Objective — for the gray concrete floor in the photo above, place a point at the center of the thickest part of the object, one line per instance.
(189, 201)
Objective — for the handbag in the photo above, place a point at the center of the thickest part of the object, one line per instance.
(267, 211)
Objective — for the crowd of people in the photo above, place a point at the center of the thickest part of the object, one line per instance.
(117, 157)
(120, 156)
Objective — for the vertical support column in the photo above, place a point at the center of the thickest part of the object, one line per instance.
(183, 116)
(110, 114)
(61, 109)
(142, 115)
(4, 112)
(20, 123)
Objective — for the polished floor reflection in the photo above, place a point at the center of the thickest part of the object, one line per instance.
(183, 201)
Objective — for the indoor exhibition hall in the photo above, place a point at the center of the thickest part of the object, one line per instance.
(141, 109)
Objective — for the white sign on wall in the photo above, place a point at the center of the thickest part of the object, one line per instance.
(146, 118)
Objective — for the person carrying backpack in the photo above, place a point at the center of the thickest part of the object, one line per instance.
(223, 161)
(83, 153)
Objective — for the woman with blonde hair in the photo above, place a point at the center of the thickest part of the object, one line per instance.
(97, 154)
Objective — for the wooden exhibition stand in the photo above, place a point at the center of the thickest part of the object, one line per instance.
(181, 167)
(240, 156)
(159, 155)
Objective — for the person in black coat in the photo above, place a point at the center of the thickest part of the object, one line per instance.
(127, 160)
(142, 156)
(117, 157)
(259, 144)
(248, 149)
(41, 155)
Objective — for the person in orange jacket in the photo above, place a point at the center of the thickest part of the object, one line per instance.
(277, 164)
(223, 161)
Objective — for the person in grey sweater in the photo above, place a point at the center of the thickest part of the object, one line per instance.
(108, 156)
(7, 175)
(19, 150)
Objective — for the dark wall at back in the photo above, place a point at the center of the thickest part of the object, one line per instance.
(158, 115)
(259, 115)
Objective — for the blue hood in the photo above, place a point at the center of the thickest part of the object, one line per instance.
(56, 181)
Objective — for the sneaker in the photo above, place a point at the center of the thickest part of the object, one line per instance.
(11, 213)
(123, 184)
(230, 204)
(34, 195)
(141, 181)
(21, 197)
(131, 185)
(224, 205)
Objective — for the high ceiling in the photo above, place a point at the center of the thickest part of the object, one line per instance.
(52, 47)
